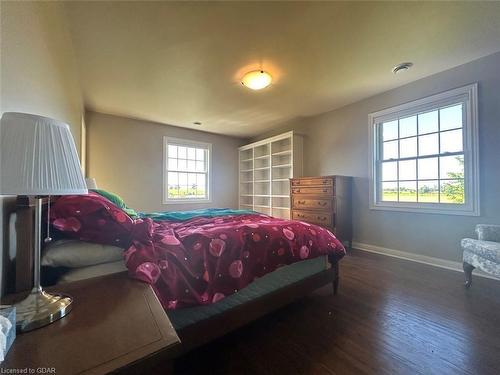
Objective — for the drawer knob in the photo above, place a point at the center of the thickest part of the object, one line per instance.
(301, 202)
(300, 215)
(325, 191)
(322, 218)
(323, 204)
(325, 182)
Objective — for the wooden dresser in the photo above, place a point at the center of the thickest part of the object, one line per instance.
(325, 201)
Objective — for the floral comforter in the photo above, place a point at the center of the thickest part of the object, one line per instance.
(196, 261)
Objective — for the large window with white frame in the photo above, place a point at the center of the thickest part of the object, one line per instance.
(187, 171)
(424, 155)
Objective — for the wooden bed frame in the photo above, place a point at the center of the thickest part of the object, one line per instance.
(190, 336)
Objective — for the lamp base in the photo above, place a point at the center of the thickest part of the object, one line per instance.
(40, 309)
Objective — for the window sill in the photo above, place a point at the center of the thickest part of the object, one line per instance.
(186, 201)
(421, 209)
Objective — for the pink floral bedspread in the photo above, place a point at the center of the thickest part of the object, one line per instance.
(198, 261)
(202, 260)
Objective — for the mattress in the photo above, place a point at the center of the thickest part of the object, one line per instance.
(268, 283)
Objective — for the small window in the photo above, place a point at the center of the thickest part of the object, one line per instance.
(187, 171)
(425, 156)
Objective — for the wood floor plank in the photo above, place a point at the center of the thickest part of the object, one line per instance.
(390, 317)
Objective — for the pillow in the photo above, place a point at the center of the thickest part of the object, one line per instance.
(117, 201)
(92, 271)
(74, 254)
(91, 218)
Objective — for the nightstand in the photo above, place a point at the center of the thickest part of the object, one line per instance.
(117, 325)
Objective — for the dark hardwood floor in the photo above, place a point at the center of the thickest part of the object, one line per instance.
(390, 317)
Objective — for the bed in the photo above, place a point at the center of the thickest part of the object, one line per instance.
(200, 319)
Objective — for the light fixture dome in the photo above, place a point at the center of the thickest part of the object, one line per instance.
(256, 79)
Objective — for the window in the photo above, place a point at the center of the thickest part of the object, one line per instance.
(187, 171)
(424, 155)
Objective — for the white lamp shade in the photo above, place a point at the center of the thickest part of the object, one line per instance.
(91, 183)
(38, 157)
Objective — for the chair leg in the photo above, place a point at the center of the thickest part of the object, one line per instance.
(468, 268)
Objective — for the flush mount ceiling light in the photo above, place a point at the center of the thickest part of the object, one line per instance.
(256, 80)
(403, 67)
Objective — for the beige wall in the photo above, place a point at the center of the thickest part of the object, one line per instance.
(337, 143)
(38, 65)
(125, 156)
(38, 71)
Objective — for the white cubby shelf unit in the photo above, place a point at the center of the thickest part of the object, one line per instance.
(265, 169)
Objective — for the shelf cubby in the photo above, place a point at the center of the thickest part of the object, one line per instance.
(246, 155)
(281, 202)
(261, 151)
(262, 201)
(263, 210)
(281, 187)
(262, 174)
(282, 159)
(246, 200)
(282, 173)
(283, 213)
(262, 188)
(246, 188)
(281, 145)
(262, 162)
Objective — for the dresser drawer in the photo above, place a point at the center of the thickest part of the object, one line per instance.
(313, 190)
(321, 218)
(299, 202)
(313, 181)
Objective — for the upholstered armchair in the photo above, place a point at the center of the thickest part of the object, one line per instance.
(483, 253)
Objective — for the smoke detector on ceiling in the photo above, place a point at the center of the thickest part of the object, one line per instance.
(403, 67)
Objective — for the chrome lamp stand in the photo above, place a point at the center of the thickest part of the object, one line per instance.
(40, 308)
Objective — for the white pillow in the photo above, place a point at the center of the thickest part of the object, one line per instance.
(92, 271)
(74, 254)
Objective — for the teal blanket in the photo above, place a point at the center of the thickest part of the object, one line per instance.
(186, 215)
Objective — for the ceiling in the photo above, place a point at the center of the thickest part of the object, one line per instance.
(180, 62)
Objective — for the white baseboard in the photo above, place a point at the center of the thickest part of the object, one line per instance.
(425, 259)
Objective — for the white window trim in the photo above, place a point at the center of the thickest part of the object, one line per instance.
(471, 153)
(187, 143)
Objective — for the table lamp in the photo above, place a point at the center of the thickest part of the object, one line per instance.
(38, 158)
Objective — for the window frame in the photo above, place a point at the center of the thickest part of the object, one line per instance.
(467, 95)
(187, 143)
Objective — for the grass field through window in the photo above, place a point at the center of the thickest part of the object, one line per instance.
(406, 196)
(185, 192)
